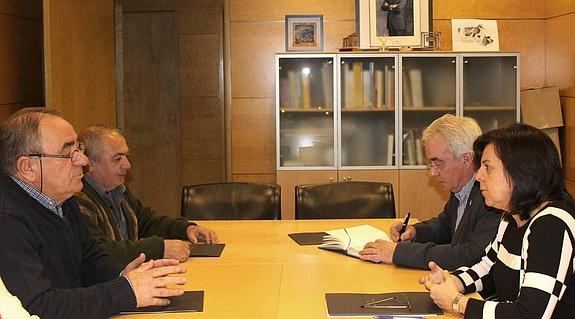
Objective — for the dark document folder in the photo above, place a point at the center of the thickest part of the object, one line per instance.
(207, 250)
(190, 301)
(305, 239)
(396, 304)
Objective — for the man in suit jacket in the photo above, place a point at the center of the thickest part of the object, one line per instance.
(396, 19)
(119, 222)
(459, 235)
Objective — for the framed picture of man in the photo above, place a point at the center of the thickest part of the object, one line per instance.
(394, 23)
(304, 32)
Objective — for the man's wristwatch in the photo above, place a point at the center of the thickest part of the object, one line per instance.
(455, 304)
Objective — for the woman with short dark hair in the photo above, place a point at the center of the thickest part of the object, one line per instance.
(531, 260)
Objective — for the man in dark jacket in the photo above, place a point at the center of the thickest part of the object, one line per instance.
(460, 234)
(48, 259)
(116, 218)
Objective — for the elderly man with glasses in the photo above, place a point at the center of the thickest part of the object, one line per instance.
(458, 235)
(48, 259)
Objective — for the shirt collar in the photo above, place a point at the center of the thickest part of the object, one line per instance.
(46, 201)
(101, 191)
(463, 194)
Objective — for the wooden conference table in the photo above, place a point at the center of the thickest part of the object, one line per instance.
(263, 273)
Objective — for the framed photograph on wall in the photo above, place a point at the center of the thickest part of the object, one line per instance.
(394, 23)
(304, 33)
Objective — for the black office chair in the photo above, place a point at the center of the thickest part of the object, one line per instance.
(349, 199)
(231, 200)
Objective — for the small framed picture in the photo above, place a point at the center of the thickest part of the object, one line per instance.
(304, 33)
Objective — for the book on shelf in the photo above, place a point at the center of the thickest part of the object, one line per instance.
(409, 148)
(348, 85)
(389, 95)
(357, 81)
(379, 88)
(416, 88)
(284, 93)
(351, 240)
(293, 80)
(305, 91)
(418, 150)
(327, 83)
(390, 148)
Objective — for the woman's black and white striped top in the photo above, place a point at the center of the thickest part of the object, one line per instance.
(532, 268)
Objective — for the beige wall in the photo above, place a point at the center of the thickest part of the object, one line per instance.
(560, 71)
(20, 55)
(257, 33)
(79, 60)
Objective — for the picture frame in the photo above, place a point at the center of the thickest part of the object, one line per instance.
(303, 33)
(411, 19)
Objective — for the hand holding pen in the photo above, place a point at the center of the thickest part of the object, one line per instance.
(398, 229)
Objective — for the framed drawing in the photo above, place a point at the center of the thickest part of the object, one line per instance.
(474, 35)
(304, 32)
(394, 23)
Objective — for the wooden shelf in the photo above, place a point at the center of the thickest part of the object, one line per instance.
(489, 108)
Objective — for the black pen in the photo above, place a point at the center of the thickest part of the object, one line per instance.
(404, 225)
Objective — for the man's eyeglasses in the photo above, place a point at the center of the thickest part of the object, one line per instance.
(74, 155)
(436, 165)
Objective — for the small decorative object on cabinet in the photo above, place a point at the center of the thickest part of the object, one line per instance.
(358, 116)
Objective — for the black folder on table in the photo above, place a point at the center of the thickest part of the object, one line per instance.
(395, 304)
(190, 301)
(207, 250)
(305, 239)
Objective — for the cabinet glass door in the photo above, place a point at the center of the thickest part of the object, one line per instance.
(367, 135)
(306, 111)
(490, 90)
(429, 90)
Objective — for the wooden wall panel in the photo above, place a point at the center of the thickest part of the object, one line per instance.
(487, 9)
(199, 64)
(209, 172)
(568, 137)
(420, 194)
(526, 37)
(80, 61)
(29, 9)
(253, 136)
(265, 10)
(207, 22)
(255, 178)
(253, 46)
(20, 60)
(555, 8)
(151, 106)
(202, 138)
(560, 58)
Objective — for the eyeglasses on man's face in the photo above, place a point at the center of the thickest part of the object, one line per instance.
(436, 164)
(74, 155)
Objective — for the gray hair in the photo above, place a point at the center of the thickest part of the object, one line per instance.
(458, 132)
(20, 135)
(93, 141)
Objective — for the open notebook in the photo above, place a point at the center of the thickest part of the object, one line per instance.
(351, 240)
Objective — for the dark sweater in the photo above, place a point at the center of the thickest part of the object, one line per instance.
(52, 264)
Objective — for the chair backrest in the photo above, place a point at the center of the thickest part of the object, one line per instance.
(231, 200)
(345, 200)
